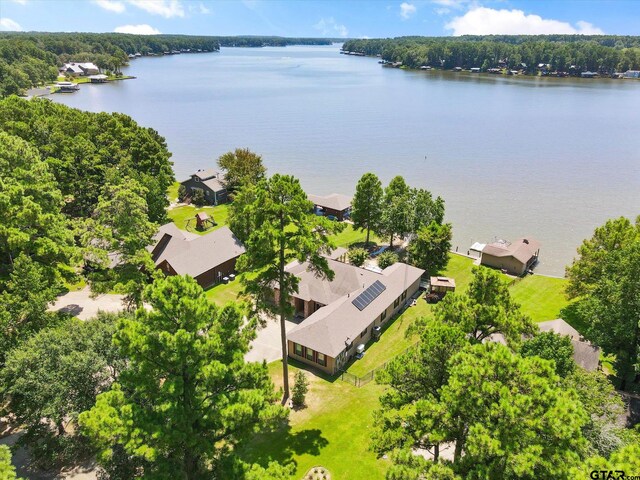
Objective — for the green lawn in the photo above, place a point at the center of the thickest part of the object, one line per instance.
(172, 192)
(224, 293)
(542, 298)
(351, 235)
(332, 431)
(181, 215)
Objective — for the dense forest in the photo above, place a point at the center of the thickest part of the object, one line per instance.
(567, 53)
(30, 58)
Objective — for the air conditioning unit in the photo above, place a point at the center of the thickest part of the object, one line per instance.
(360, 351)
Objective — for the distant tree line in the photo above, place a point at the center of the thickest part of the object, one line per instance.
(598, 53)
(28, 59)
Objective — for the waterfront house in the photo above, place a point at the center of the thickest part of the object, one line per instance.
(71, 69)
(211, 182)
(514, 258)
(358, 303)
(79, 69)
(336, 205)
(631, 74)
(475, 70)
(208, 258)
(584, 353)
(588, 74)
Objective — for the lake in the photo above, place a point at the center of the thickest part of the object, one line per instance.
(549, 158)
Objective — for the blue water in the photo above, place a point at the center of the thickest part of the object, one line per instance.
(550, 158)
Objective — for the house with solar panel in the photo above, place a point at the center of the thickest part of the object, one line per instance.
(340, 316)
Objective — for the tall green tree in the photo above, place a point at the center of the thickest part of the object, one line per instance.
(626, 459)
(7, 470)
(486, 308)
(115, 239)
(54, 376)
(366, 210)
(36, 241)
(429, 249)
(242, 167)
(415, 376)
(283, 229)
(187, 397)
(426, 209)
(551, 346)
(605, 278)
(241, 212)
(604, 407)
(508, 416)
(397, 210)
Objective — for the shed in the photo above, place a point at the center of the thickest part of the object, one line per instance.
(442, 285)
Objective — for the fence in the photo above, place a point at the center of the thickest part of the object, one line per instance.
(370, 375)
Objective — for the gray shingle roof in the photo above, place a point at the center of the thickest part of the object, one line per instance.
(329, 329)
(347, 279)
(190, 254)
(207, 173)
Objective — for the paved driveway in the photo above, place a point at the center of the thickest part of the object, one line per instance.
(81, 305)
(267, 344)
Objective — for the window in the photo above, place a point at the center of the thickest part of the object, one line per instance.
(322, 359)
(404, 295)
(383, 315)
(297, 348)
(364, 332)
(309, 354)
(396, 302)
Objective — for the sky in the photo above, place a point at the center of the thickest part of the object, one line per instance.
(324, 18)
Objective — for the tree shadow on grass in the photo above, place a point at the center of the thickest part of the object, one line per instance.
(282, 446)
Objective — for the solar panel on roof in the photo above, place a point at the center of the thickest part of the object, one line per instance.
(372, 292)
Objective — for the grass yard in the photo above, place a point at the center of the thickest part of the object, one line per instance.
(351, 235)
(172, 192)
(332, 431)
(224, 293)
(181, 215)
(542, 298)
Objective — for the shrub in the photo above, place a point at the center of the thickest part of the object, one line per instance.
(198, 197)
(300, 389)
(357, 256)
(182, 192)
(386, 259)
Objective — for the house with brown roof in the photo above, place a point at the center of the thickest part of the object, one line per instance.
(207, 258)
(211, 182)
(345, 312)
(584, 353)
(336, 205)
(514, 258)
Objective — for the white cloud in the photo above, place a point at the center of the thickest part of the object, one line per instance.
(142, 29)
(328, 26)
(21, 2)
(487, 21)
(199, 8)
(165, 8)
(8, 25)
(407, 10)
(110, 5)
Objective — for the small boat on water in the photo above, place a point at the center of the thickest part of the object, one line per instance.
(67, 87)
